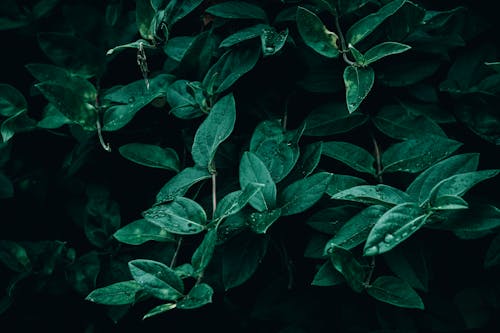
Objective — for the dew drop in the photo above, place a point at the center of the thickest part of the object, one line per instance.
(131, 100)
(373, 250)
(269, 49)
(404, 234)
(329, 250)
(389, 238)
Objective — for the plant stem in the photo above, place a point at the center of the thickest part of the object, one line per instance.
(176, 253)
(370, 273)
(377, 160)
(104, 145)
(344, 49)
(214, 193)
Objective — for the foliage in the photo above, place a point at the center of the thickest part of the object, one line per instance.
(299, 165)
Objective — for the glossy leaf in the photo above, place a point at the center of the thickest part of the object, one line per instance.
(177, 47)
(181, 98)
(373, 194)
(237, 10)
(383, 50)
(157, 279)
(415, 155)
(395, 226)
(213, 131)
(353, 272)
(235, 201)
(392, 290)
(243, 35)
(343, 182)
(449, 202)
(11, 101)
(365, 26)
(159, 309)
(358, 82)
(120, 293)
(355, 157)
(141, 231)
(272, 41)
(308, 161)
(52, 118)
(315, 34)
(179, 184)
(332, 118)
(303, 194)
(199, 295)
(151, 156)
(144, 14)
(253, 170)
(204, 252)
(260, 222)
(176, 10)
(477, 221)
(355, 230)
(327, 276)
(182, 216)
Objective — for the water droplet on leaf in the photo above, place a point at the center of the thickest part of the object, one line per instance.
(371, 251)
(389, 238)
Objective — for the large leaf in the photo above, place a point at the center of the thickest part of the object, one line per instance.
(141, 231)
(11, 101)
(353, 272)
(144, 14)
(355, 157)
(315, 34)
(327, 276)
(395, 226)
(253, 170)
(383, 50)
(213, 131)
(343, 182)
(199, 295)
(415, 155)
(181, 96)
(235, 201)
(181, 216)
(392, 290)
(303, 194)
(204, 252)
(151, 156)
(243, 35)
(365, 26)
(332, 118)
(477, 221)
(17, 123)
(178, 9)
(120, 293)
(179, 184)
(237, 10)
(373, 194)
(157, 279)
(358, 83)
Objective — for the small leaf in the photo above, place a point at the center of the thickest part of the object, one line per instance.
(160, 309)
(358, 82)
(395, 226)
(243, 35)
(303, 194)
(182, 216)
(141, 231)
(327, 276)
(355, 157)
(260, 222)
(382, 50)
(447, 202)
(14, 256)
(213, 131)
(120, 293)
(272, 41)
(144, 14)
(390, 289)
(17, 123)
(237, 10)
(353, 272)
(151, 156)
(179, 184)
(11, 101)
(199, 295)
(52, 118)
(182, 100)
(415, 155)
(203, 254)
(253, 170)
(373, 194)
(307, 162)
(365, 26)
(331, 219)
(235, 201)
(157, 279)
(332, 118)
(315, 34)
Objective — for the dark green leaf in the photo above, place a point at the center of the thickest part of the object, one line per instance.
(199, 295)
(332, 118)
(241, 257)
(160, 309)
(415, 155)
(177, 9)
(365, 26)
(478, 220)
(407, 71)
(409, 264)
(182, 216)
(141, 231)
(373, 194)
(52, 118)
(355, 157)
(390, 289)
(449, 202)
(235, 201)
(144, 14)
(17, 123)
(179, 184)
(343, 182)
(198, 57)
(353, 272)
(11, 101)
(307, 162)
(260, 222)
(315, 34)
(303, 194)
(120, 293)
(6, 187)
(253, 170)
(358, 83)
(177, 47)
(272, 41)
(395, 226)
(213, 131)
(203, 254)
(355, 231)
(237, 10)
(327, 276)
(382, 50)
(330, 220)
(243, 35)
(151, 156)
(494, 65)
(181, 98)
(157, 279)
(14, 256)
(492, 257)
(82, 274)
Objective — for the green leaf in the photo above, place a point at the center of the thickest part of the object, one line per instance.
(315, 34)
(11, 101)
(199, 295)
(177, 10)
(243, 35)
(492, 257)
(358, 82)
(14, 256)
(327, 276)
(332, 118)
(303, 194)
(141, 231)
(353, 272)
(213, 131)
(409, 264)
(415, 155)
(151, 156)
(82, 274)
(343, 182)
(182, 100)
(17, 123)
(272, 41)
(260, 222)
(235, 201)
(6, 187)
(182, 216)
(253, 170)
(365, 26)
(157, 279)
(159, 309)
(307, 162)
(120, 293)
(179, 184)
(382, 50)
(52, 118)
(204, 252)
(241, 257)
(237, 10)
(373, 194)
(177, 47)
(423, 184)
(331, 219)
(449, 202)
(392, 290)
(494, 65)
(395, 226)
(355, 157)
(144, 14)
(355, 231)
(134, 45)
(477, 221)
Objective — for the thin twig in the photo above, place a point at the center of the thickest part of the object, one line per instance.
(370, 273)
(377, 160)
(344, 49)
(176, 253)
(104, 145)
(214, 193)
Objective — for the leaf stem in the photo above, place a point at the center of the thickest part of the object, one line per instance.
(344, 49)
(370, 273)
(377, 160)
(176, 253)
(214, 193)
(104, 145)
